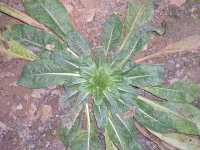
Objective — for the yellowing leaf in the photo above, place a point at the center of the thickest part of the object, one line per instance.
(181, 141)
(109, 144)
(19, 51)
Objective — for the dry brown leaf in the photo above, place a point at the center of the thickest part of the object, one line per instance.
(181, 141)
(20, 16)
(188, 44)
(156, 140)
(177, 2)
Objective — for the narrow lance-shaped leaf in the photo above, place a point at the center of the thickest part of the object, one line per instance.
(51, 13)
(101, 112)
(45, 72)
(163, 118)
(34, 39)
(108, 141)
(68, 98)
(147, 74)
(180, 141)
(114, 102)
(19, 51)
(111, 33)
(187, 111)
(139, 13)
(78, 44)
(180, 91)
(121, 133)
(82, 135)
(69, 103)
(75, 137)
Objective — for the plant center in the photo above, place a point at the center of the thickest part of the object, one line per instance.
(100, 80)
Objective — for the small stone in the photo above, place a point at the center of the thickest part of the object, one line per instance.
(90, 15)
(47, 144)
(46, 113)
(19, 107)
(38, 93)
(13, 84)
(55, 92)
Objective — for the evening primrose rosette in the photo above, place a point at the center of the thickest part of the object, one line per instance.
(100, 87)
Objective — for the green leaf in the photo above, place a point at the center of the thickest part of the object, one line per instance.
(19, 51)
(127, 94)
(144, 75)
(120, 58)
(139, 13)
(109, 144)
(76, 137)
(69, 103)
(100, 57)
(33, 38)
(180, 141)
(187, 111)
(68, 99)
(111, 33)
(45, 72)
(114, 102)
(51, 13)
(180, 91)
(121, 133)
(65, 58)
(101, 112)
(78, 44)
(165, 118)
(134, 39)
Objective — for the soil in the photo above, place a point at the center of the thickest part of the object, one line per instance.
(29, 119)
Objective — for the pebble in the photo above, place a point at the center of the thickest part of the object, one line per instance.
(19, 107)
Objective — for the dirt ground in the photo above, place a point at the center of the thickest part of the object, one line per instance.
(29, 119)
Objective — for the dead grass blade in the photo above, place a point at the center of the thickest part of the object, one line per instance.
(188, 44)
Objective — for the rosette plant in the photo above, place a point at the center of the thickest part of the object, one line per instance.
(104, 90)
